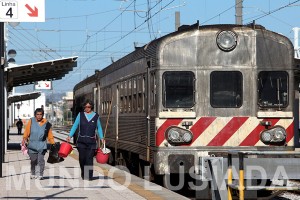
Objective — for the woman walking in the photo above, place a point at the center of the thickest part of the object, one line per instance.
(86, 143)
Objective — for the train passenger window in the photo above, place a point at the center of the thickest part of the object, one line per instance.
(121, 104)
(134, 92)
(178, 91)
(272, 89)
(153, 90)
(129, 92)
(226, 89)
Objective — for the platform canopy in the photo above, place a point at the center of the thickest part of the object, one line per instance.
(41, 71)
(23, 97)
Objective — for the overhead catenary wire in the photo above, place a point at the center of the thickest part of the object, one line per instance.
(82, 63)
(103, 50)
(275, 10)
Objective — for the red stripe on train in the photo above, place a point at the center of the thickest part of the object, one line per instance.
(254, 136)
(160, 134)
(231, 127)
(200, 126)
(290, 132)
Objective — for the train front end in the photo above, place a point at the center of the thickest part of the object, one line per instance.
(223, 88)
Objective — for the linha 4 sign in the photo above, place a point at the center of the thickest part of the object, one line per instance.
(43, 85)
(22, 10)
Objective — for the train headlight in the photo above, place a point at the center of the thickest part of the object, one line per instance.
(177, 136)
(173, 135)
(277, 134)
(226, 40)
(187, 137)
(266, 136)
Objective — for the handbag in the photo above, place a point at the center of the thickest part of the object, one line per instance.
(53, 154)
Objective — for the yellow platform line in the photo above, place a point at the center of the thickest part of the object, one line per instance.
(121, 180)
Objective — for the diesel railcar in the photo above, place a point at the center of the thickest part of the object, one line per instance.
(197, 93)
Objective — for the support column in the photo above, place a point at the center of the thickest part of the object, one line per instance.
(2, 116)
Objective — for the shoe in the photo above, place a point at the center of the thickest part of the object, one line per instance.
(41, 178)
(32, 176)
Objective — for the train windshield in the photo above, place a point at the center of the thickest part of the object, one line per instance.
(178, 89)
(272, 89)
(226, 89)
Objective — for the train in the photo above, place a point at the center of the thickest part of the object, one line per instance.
(195, 94)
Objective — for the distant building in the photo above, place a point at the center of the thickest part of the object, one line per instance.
(25, 109)
(68, 99)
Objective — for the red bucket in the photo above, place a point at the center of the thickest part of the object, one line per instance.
(65, 149)
(102, 155)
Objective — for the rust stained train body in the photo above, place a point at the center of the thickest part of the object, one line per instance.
(196, 92)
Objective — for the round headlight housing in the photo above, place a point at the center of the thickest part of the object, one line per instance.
(226, 40)
(276, 134)
(176, 135)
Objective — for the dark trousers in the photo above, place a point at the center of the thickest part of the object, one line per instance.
(86, 158)
(37, 163)
(19, 131)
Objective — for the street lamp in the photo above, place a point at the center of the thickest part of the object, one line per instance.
(12, 53)
(11, 60)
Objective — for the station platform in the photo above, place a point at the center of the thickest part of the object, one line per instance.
(62, 180)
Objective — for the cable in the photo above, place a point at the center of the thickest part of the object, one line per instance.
(276, 10)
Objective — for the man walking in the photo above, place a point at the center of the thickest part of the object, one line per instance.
(19, 126)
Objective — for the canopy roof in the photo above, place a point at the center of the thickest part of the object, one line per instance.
(41, 71)
(23, 97)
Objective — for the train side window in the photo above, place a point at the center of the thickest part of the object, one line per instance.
(134, 91)
(121, 105)
(226, 89)
(102, 104)
(121, 97)
(144, 94)
(129, 93)
(272, 89)
(139, 93)
(178, 89)
(125, 108)
(153, 90)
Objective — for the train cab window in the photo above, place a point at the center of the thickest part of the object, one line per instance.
(178, 89)
(272, 89)
(226, 89)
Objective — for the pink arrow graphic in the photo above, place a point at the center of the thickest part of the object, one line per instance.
(47, 85)
(34, 13)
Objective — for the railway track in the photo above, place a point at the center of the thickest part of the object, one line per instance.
(61, 133)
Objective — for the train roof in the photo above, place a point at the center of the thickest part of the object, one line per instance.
(151, 47)
(86, 81)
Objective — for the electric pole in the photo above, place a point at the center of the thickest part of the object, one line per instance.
(239, 12)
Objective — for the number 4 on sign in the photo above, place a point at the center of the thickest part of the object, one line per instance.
(9, 13)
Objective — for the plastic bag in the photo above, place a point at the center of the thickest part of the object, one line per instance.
(24, 150)
(53, 154)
